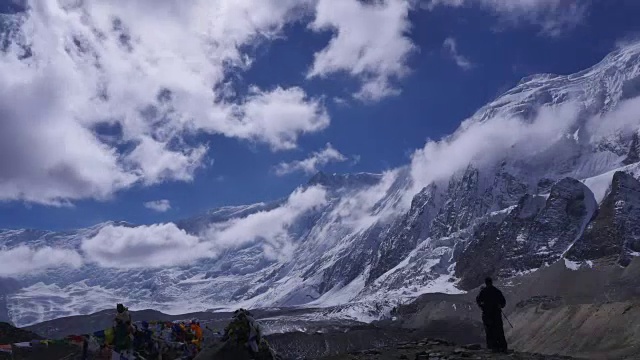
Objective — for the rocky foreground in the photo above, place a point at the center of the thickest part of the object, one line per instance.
(440, 350)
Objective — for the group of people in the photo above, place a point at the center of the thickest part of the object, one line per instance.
(242, 338)
(189, 334)
(133, 342)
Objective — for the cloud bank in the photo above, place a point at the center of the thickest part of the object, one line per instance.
(127, 88)
(165, 245)
(24, 260)
(122, 86)
(152, 246)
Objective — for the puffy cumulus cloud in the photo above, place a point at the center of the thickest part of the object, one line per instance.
(151, 246)
(482, 143)
(24, 260)
(270, 227)
(153, 162)
(48, 157)
(552, 16)
(278, 117)
(451, 47)
(311, 164)
(165, 245)
(371, 42)
(158, 205)
(98, 95)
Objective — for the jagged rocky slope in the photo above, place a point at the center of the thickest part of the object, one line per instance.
(382, 239)
(586, 311)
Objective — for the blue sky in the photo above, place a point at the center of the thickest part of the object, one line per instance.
(496, 44)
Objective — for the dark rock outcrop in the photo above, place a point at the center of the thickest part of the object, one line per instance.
(615, 232)
(463, 204)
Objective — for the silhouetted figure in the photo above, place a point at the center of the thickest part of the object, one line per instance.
(491, 301)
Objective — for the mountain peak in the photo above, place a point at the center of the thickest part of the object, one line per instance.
(537, 78)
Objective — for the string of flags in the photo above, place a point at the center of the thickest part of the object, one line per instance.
(162, 334)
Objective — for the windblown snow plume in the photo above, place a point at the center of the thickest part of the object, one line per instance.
(271, 227)
(486, 142)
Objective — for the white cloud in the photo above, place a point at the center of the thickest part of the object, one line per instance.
(451, 47)
(23, 260)
(623, 119)
(164, 245)
(158, 205)
(311, 164)
(554, 17)
(154, 162)
(371, 43)
(485, 142)
(271, 227)
(98, 95)
(278, 117)
(150, 246)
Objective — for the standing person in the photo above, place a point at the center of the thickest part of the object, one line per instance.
(123, 335)
(491, 301)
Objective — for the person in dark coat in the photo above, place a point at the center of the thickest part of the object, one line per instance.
(491, 301)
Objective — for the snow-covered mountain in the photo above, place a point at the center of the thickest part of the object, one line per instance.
(547, 172)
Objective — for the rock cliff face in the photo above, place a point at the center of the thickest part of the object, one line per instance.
(536, 232)
(615, 232)
(406, 233)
